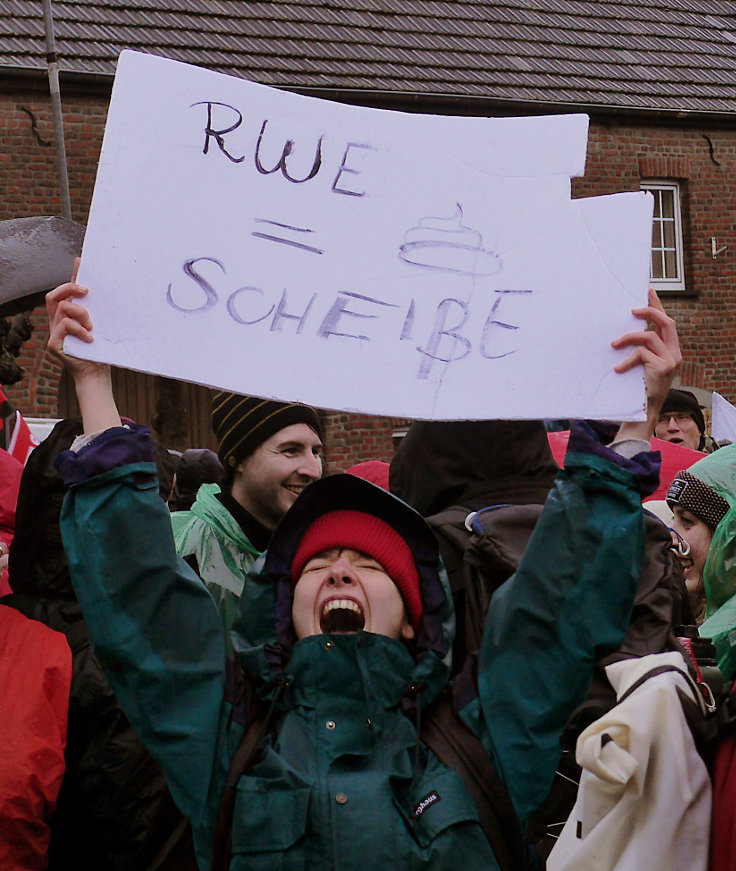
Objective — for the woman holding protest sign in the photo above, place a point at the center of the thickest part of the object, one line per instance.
(343, 643)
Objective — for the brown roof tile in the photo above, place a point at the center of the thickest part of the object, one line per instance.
(678, 55)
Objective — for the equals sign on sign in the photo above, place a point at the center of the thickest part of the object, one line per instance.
(286, 235)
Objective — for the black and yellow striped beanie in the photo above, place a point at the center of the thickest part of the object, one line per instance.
(242, 423)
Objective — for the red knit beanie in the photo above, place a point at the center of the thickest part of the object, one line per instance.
(372, 536)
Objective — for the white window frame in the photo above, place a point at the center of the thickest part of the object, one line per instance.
(656, 188)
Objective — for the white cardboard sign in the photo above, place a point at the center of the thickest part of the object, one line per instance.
(358, 259)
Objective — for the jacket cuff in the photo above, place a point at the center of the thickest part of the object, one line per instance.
(112, 448)
(643, 466)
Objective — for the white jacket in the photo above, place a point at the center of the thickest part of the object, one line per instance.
(644, 799)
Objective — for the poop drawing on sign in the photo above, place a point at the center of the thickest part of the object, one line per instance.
(448, 245)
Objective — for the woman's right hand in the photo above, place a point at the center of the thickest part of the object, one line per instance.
(92, 380)
(68, 318)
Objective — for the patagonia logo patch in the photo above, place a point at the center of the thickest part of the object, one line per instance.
(428, 800)
(676, 489)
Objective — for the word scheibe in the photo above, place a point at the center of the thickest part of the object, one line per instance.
(437, 245)
(297, 248)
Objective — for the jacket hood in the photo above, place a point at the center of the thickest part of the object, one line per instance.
(38, 562)
(718, 471)
(473, 463)
(263, 632)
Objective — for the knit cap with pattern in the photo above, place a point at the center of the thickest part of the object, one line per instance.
(242, 423)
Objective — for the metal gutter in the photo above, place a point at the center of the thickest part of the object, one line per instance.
(460, 104)
(445, 103)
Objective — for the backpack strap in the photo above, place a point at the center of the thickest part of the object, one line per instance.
(654, 672)
(241, 763)
(179, 839)
(705, 718)
(453, 743)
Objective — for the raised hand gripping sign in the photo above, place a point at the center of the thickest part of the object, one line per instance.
(358, 259)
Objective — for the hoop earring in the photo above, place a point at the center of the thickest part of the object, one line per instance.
(683, 547)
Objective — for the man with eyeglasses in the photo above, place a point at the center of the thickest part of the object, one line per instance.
(681, 421)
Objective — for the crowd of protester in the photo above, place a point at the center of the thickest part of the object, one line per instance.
(464, 657)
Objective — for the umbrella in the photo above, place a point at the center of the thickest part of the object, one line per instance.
(36, 254)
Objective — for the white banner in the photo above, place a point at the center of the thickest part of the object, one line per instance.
(358, 259)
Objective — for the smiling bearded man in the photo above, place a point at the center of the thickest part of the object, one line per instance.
(270, 452)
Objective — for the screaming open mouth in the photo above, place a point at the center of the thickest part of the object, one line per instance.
(341, 615)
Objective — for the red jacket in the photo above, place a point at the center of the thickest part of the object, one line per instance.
(35, 679)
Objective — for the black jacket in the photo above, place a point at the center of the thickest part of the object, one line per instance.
(114, 811)
(466, 466)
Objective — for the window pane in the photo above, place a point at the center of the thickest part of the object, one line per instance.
(670, 260)
(668, 229)
(656, 265)
(657, 204)
(668, 204)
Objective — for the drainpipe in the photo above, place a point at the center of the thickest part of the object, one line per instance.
(53, 70)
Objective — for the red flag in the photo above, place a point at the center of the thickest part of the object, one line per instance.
(15, 434)
(22, 441)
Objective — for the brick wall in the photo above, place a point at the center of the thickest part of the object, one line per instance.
(29, 187)
(619, 156)
(352, 438)
(704, 161)
(36, 394)
(28, 181)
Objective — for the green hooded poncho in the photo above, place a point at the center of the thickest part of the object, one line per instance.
(718, 471)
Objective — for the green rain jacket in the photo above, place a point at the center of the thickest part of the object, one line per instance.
(344, 782)
(224, 555)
